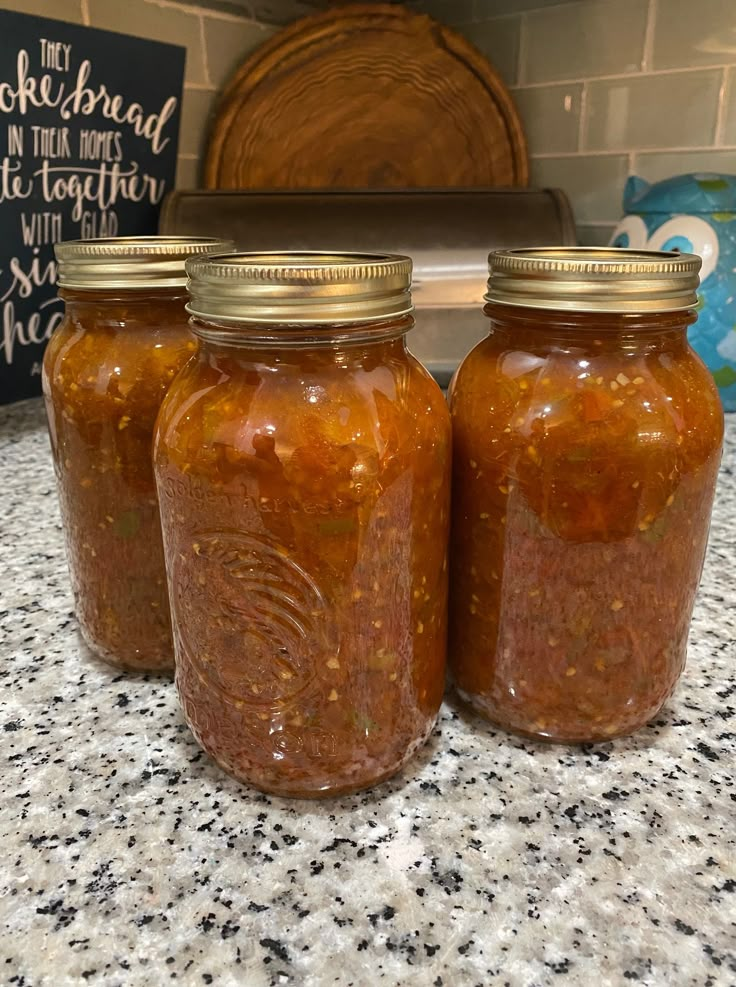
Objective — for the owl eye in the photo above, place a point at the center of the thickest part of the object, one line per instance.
(688, 235)
(630, 232)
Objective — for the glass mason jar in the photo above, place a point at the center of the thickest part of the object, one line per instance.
(302, 463)
(106, 369)
(587, 438)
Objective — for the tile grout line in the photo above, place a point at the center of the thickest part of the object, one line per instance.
(721, 114)
(209, 12)
(624, 76)
(203, 49)
(648, 48)
(513, 13)
(583, 116)
(622, 151)
(521, 56)
(494, 17)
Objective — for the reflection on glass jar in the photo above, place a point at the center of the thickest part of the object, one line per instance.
(303, 467)
(106, 370)
(587, 438)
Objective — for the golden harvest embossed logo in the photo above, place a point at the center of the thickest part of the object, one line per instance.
(250, 618)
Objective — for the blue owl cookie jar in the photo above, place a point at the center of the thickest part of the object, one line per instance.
(696, 214)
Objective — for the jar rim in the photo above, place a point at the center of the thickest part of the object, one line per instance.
(299, 287)
(130, 262)
(594, 279)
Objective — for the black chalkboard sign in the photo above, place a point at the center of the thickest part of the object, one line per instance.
(89, 126)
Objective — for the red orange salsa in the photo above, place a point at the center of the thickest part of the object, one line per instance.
(305, 497)
(106, 370)
(586, 449)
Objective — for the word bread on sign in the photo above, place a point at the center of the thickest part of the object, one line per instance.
(87, 149)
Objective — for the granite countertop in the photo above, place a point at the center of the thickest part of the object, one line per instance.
(130, 859)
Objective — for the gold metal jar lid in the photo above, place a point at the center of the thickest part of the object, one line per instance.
(594, 279)
(300, 288)
(130, 262)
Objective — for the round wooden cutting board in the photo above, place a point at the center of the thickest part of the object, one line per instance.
(366, 96)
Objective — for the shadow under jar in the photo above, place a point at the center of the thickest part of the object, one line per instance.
(106, 369)
(587, 438)
(303, 464)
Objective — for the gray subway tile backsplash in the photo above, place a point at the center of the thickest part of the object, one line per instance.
(729, 112)
(187, 172)
(178, 26)
(551, 116)
(62, 10)
(694, 33)
(196, 110)
(583, 40)
(676, 109)
(593, 183)
(228, 43)
(656, 165)
(498, 40)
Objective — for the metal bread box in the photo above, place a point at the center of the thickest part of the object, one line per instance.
(448, 234)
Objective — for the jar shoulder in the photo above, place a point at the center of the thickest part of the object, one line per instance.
(229, 404)
(97, 370)
(609, 397)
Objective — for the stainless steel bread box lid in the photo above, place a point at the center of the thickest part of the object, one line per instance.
(448, 235)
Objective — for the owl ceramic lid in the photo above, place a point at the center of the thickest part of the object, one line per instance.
(694, 214)
(697, 193)
(687, 213)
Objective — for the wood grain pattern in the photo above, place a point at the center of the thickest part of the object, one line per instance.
(366, 96)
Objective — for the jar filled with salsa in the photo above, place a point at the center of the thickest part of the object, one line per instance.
(303, 464)
(106, 369)
(587, 438)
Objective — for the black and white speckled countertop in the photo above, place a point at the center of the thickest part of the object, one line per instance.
(129, 859)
